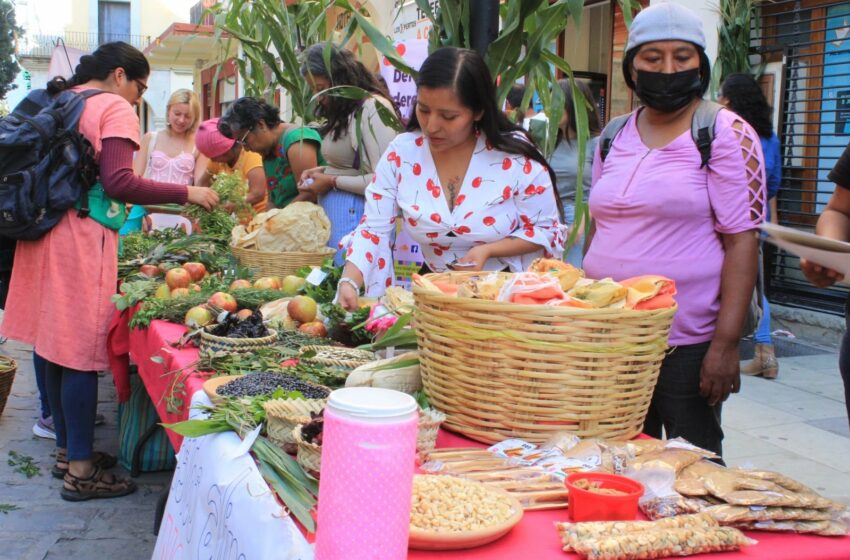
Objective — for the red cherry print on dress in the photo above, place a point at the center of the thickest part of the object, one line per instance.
(525, 220)
(438, 252)
(436, 218)
(369, 256)
(462, 229)
(392, 220)
(389, 282)
(476, 182)
(540, 189)
(420, 141)
(460, 200)
(391, 156)
(417, 169)
(467, 215)
(375, 239)
(489, 220)
(412, 222)
(349, 252)
(488, 145)
(432, 235)
(430, 184)
(363, 219)
(527, 167)
(530, 190)
(365, 234)
(374, 178)
(382, 263)
(436, 192)
(377, 196)
(513, 225)
(506, 163)
(415, 207)
(529, 232)
(506, 193)
(387, 62)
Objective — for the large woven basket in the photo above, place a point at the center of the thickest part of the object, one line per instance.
(501, 370)
(279, 264)
(284, 415)
(212, 343)
(8, 367)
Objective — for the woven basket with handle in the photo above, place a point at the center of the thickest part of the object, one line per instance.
(279, 264)
(284, 415)
(8, 367)
(501, 370)
(213, 343)
(309, 455)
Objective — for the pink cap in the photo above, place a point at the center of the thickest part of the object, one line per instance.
(210, 141)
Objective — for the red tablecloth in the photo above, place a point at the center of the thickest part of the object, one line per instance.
(534, 538)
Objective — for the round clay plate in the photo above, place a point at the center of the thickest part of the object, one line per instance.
(212, 385)
(430, 540)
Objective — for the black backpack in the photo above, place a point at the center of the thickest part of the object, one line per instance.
(46, 165)
(702, 130)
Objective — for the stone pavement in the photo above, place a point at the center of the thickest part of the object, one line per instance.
(796, 424)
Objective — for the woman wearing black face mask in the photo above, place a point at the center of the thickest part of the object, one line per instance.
(658, 210)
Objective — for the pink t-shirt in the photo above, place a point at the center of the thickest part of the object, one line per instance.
(108, 115)
(657, 212)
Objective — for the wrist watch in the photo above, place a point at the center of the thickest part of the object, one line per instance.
(350, 282)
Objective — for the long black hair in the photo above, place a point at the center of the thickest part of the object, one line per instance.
(592, 113)
(246, 113)
(345, 70)
(746, 98)
(99, 64)
(466, 74)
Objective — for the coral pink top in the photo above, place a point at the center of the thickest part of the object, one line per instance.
(60, 292)
(657, 212)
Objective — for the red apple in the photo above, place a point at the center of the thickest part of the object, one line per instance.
(179, 292)
(302, 309)
(194, 287)
(240, 284)
(223, 301)
(267, 283)
(198, 316)
(196, 270)
(150, 270)
(314, 328)
(177, 278)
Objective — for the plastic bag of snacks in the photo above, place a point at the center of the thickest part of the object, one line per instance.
(646, 545)
(574, 533)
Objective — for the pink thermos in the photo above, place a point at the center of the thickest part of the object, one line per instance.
(368, 456)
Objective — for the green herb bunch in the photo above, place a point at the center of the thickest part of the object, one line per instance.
(219, 222)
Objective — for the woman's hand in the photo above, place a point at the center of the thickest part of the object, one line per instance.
(317, 183)
(477, 256)
(347, 297)
(203, 197)
(721, 373)
(818, 275)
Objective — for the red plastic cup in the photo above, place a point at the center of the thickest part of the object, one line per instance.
(593, 506)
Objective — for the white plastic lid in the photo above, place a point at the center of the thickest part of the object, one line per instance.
(372, 402)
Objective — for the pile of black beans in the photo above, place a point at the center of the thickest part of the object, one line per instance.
(266, 383)
(233, 327)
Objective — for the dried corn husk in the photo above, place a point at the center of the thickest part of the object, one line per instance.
(646, 545)
(573, 533)
(391, 373)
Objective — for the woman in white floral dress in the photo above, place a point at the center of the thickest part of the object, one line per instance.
(473, 191)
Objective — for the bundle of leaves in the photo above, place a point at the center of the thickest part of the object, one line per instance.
(219, 222)
(214, 253)
(326, 290)
(345, 327)
(174, 309)
(138, 244)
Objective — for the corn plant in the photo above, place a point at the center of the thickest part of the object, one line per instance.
(738, 18)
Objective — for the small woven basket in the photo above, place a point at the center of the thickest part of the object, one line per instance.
(8, 367)
(284, 415)
(501, 370)
(309, 455)
(279, 264)
(338, 356)
(429, 426)
(211, 343)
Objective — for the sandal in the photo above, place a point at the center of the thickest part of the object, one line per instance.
(99, 458)
(99, 485)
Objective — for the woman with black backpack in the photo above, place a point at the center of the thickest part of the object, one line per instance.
(660, 206)
(60, 293)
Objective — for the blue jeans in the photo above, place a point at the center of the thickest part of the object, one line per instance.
(39, 364)
(575, 253)
(73, 400)
(762, 335)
